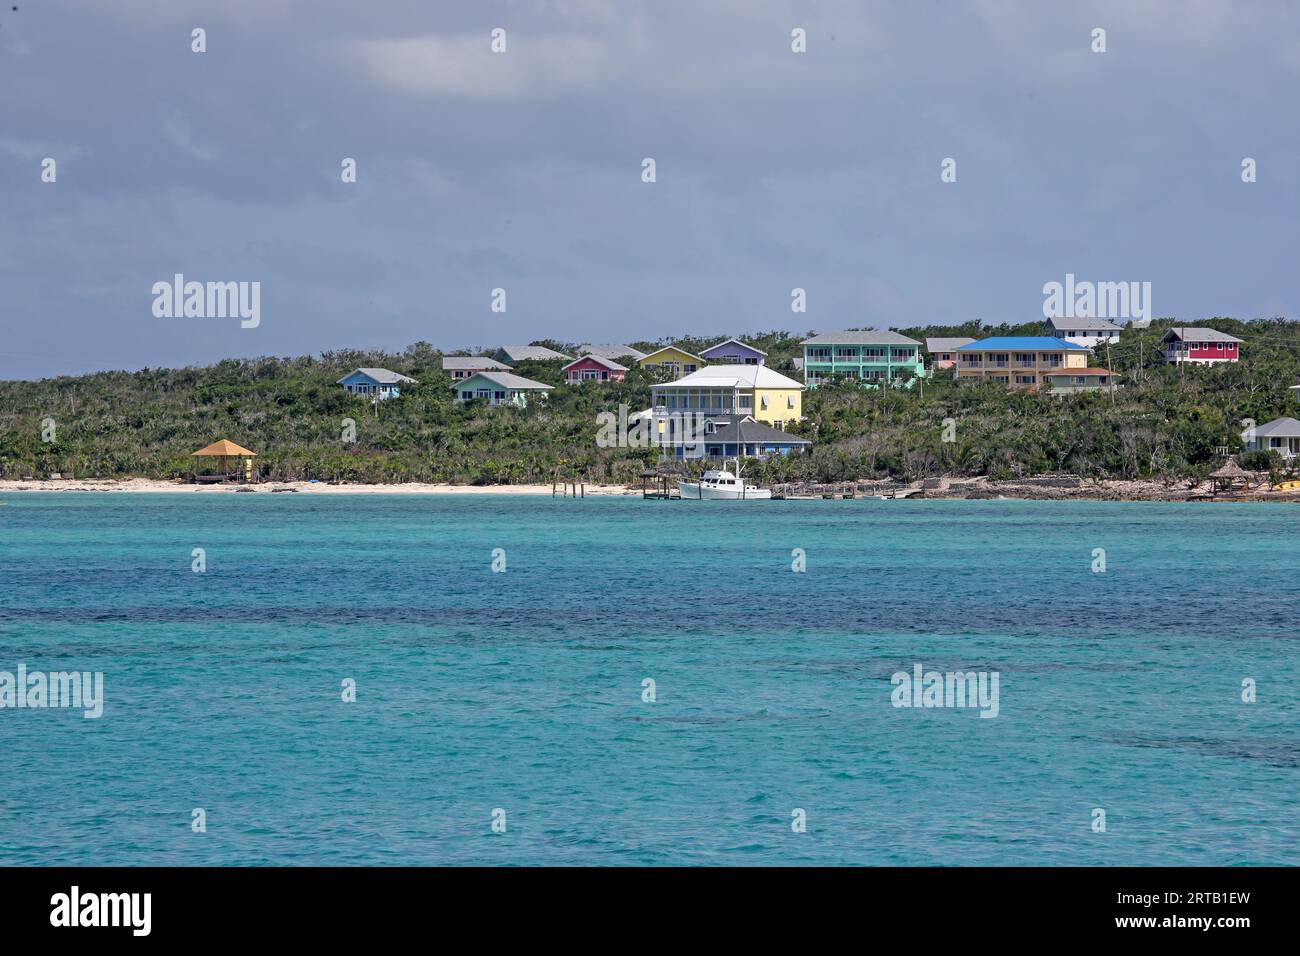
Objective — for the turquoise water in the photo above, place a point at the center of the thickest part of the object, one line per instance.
(522, 690)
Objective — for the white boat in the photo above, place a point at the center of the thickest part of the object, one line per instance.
(719, 483)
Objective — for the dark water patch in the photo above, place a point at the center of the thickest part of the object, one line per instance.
(1276, 752)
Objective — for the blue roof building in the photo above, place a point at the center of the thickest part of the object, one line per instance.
(1018, 361)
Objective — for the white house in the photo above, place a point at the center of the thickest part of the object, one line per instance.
(374, 382)
(1082, 331)
(1281, 435)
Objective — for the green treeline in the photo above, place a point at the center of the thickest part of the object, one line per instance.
(1164, 422)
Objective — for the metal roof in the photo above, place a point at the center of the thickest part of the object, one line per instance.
(1187, 333)
(381, 375)
(733, 376)
(946, 345)
(1082, 323)
(1022, 343)
(518, 353)
(611, 351)
(609, 363)
(860, 337)
(718, 345)
(747, 430)
(458, 362)
(505, 380)
(1278, 428)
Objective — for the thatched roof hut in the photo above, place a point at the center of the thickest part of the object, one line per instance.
(1228, 474)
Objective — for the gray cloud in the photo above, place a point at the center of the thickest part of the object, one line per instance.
(522, 170)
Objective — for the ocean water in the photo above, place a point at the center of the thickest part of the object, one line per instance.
(522, 690)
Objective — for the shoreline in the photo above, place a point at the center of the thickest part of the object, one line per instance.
(156, 486)
(1031, 489)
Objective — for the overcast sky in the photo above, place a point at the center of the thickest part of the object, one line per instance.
(522, 170)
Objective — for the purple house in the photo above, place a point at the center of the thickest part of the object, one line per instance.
(734, 352)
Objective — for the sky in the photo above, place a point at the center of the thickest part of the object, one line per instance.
(522, 170)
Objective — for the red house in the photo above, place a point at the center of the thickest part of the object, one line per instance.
(1200, 346)
(593, 368)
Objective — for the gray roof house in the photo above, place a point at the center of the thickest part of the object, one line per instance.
(374, 382)
(523, 353)
(499, 388)
(612, 352)
(1082, 330)
(1281, 435)
(733, 436)
(944, 350)
(463, 366)
(1199, 334)
(946, 345)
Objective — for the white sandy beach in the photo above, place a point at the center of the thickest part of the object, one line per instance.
(307, 487)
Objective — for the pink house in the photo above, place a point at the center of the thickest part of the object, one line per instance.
(593, 368)
(1199, 346)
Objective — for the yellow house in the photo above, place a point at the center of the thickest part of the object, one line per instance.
(673, 360)
(733, 390)
(1022, 361)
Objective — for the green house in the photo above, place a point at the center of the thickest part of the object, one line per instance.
(499, 388)
(868, 355)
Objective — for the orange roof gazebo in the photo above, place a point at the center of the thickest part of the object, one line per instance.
(223, 451)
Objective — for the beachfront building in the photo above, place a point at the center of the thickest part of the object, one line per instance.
(1281, 435)
(753, 390)
(943, 352)
(374, 383)
(511, 354)
(463, 366)
(232, 462)
(672, 361)
(1018, 361)
(868, 355)
(1199, 346)
(1082, 331)
(726, 436)
(593, 368)
(613, 352)
(500, 388)
(734, 352)
(1069, 381)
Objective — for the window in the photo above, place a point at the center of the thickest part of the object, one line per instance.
(763, 402)
(789, 401)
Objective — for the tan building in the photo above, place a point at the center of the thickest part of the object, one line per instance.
(1018, 361)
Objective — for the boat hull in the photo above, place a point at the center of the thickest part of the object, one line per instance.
(692, 489)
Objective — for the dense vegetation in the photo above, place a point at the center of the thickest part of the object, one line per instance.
(1164, 422)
